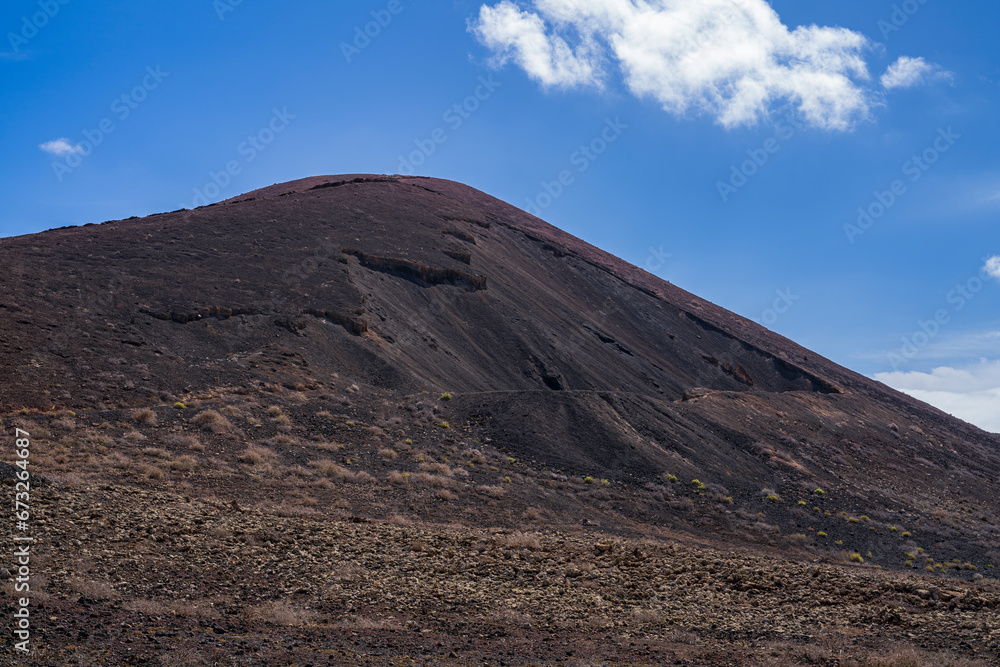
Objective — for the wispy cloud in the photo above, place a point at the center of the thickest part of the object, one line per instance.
(61, 147)
(971, 393)
(733, 60)
(911, 72)
(945, 349)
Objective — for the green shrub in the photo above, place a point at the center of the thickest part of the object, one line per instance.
(698, 484)
(852, 519)
(855, 557)
(444, 424)
(446, 396)
(179, 405)
(802, 503)
(672, 478)
(588, 480)
(821, 534)
(819, 492)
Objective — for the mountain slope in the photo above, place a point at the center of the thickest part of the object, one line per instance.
(556, 352)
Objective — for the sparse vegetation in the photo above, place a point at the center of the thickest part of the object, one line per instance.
(257, 455)
(144, 417)
(210, 420)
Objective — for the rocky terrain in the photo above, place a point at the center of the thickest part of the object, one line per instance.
(383, 420)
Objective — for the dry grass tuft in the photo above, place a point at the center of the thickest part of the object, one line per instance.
(232, 411)
(497, 491)
(193, 610)
(338, 472)
(437, 468)
(282, 613)
(398, 477)
(187, 442)
(533, 513)
(256, 455)
(431, 481)
(365, 623)
(210, 420)
(144, 417)
(95, 590)
(182, 463)
(522, 541)
(155, 452)
(910, 657)
(475, 456)
(148, 607)
(150, 472)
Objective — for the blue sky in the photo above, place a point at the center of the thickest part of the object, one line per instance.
(724, 145)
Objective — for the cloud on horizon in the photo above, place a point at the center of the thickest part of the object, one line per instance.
(60, 147)
(971, 393)
(733, 60)
(909, 72)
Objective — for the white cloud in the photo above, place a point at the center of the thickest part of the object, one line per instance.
(731, 59)
(909, 72)
(549, 60)
(971, 393)
(61, 147)
(992, 267)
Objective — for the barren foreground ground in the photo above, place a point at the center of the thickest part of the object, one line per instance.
(168, 537)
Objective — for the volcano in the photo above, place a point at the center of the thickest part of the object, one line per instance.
(407, 328)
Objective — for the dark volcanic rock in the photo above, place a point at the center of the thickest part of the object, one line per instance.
(566, 356)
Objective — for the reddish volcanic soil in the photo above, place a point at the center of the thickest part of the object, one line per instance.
(382, 420)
